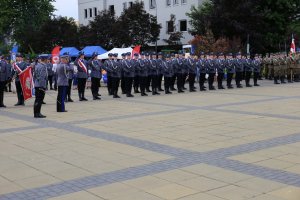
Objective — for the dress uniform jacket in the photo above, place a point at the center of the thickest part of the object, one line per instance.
(3, 72)
(167, 67)
(238, 65)
(230, 66)
(247, 65)
(114, 68)
(256, 64)
(62, 74)
(128, 68)
(220, 65)
(22, 66)
(40, 75)
(153, 67)
(96, 67)
(191, 66)
(81, 73)
(142, 68)
(49, 69)
(211, 66)
(202, 66)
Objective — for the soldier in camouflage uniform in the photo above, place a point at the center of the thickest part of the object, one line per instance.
(276, 68)
(283, 67)
(297, 67)
(270, 67)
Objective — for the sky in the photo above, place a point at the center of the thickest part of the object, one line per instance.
(67, 8)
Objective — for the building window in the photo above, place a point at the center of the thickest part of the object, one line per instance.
(125, 5)
(168, 2)
(95, 11)
(152, 4)
(175, 2)
(183, 25)
(112, 9)
(91, 12)
(130, 4)
(183, 1)
(85, 13)
(170, 26)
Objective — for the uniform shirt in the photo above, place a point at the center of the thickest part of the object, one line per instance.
(81, 73)
(159, 62)
(178, 66)
(40, 75)
(107, 65)
(142, 68)
(128, 68)
(201, 66)
(229, 65)
(248, 67)
(211, 66)
(114, 68)
(220, 66)
(3, 73)
(256, 63)
(238, 65)
(62, 74)
(167, 67)
(153, 67)
(191, 65)
(96, 67)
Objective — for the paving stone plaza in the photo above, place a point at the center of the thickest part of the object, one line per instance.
(217, 145)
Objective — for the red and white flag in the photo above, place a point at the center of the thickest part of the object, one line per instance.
(82, 65)
(55, 55)
(27, 84)
(17, 68)
(136, 49)
(293, 46)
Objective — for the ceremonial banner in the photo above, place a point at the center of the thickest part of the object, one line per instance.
(136, 49)
(293, 46)
(55, 55)
(16, 68)
(27, 84)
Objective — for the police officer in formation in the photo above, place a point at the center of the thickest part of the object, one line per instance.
(3, 80)
(40, 78)
(82, 75)
(62, 71)
(50, 72)
(96, 74)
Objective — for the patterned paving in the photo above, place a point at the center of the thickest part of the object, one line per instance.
(182, 154)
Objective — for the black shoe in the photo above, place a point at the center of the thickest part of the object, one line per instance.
(239, 86)
(84, 99)
(9, 91)
(248, 85)
(173, 89)
(212, 88)
(129, 95)
(116, 96)
(2, 106)
(184, 88)
(148, 90)
(156, 93)
(180, 91)
(168, 92)
(70, 100)
(39, 115)
(256, 84)
(96, 98)
(221, 88)
(43, 102)
(283, 82)
(123, 92)
(230, 87)
(63, 111)
(144, 94)
(192, 90)
(99, 95)
(160, 90)
(20, 104)
(136, 92)
(51, 89)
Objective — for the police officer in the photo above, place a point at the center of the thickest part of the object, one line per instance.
(202, 70)
(82, 75)
(211, 69)
(62, 83)
(22, 66)
(70, 72)
(248, 68)
(168, 71)
(40, 83)
(220, 66)
(96, 75)
(107, 64)
(154, 68)
(256, 66)
(149, 79)
(129, 70)
(179, 70)
(173, 79)
(191, 66)
(123, 88)
(136, 80)
(8, 74)
(239, 70)
(114, 67)
(160, 71)
(230, 70)
(50, 72)
(143, 73)
(3, 81)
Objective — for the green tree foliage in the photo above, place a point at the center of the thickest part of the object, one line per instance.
(266, 21)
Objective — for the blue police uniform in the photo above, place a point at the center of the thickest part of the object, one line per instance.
(96, 75)
(201, 65)
(129, 73)
(22, 65)
(168, 72)
(142, 67)
(82, 76)
(62, 84)
(3, 80)
(191, 65)
(114, 67)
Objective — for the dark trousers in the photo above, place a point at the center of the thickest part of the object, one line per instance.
(136, 83)
(211, 78)
(220, 80)
(2, 87)
(154, 79)
(81, 87)
(61, 96)
(159, 81)
(115, 85)
(143, 83)
(202, 80)
(238, 78)
(255, 77)
(109, 85)
(180, 81)
(229, 79)
(55, 81)
(248, 77)
(128, 85)
(69, 88)
(149, 79)
(167, 83)
(123, 88)
(95, 86)
(39, 98)
(192, 77)
(19, 92)
(50, 80)
(173, 79)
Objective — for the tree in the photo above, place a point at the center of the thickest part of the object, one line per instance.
(60, 31)
(22, 19)
(140, 26)
(265, 21)
(175, 36)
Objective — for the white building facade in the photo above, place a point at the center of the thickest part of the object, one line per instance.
(163, 9)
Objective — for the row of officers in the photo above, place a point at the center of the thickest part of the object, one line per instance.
(140, 71)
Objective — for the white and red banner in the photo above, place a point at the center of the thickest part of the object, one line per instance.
(136, 49)
(17, 68)
(82, 65)
(55, 55)
(27, 84)
(293, 46)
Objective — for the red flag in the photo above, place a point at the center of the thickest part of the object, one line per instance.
(293, 46)
(55, 55)
(27, 84)
(136, 49)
